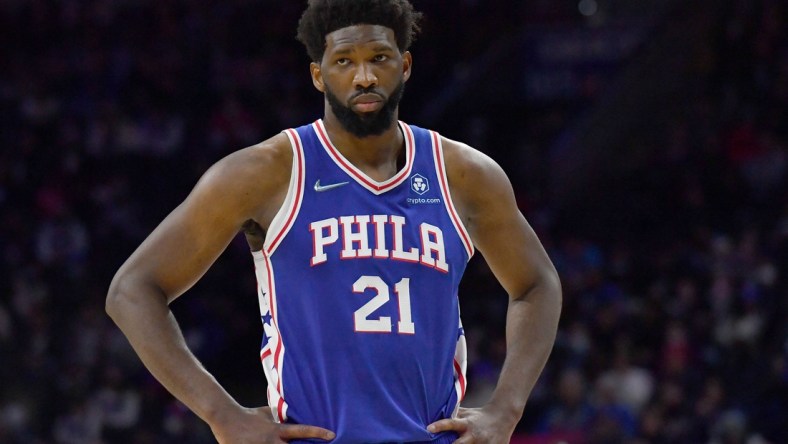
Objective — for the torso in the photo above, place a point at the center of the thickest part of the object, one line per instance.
(358, 292)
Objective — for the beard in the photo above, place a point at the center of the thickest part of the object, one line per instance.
(366, 124)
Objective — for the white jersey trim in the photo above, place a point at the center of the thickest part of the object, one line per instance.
(359, 176)
(440, 168)
(286, 216)
(460, 364)
(272, 355)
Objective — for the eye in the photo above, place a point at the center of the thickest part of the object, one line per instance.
(343, 61)
(380, 58)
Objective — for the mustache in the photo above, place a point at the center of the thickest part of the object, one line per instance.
(368, 90)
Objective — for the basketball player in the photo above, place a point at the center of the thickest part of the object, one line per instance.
(360, 227)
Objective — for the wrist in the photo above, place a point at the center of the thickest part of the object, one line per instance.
(220, 413)
(508, 410)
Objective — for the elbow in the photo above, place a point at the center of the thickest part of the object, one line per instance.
(128, 293)
(547, 289)
(115, 298)
(553, 283)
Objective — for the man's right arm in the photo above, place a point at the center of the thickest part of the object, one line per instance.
(247, 185)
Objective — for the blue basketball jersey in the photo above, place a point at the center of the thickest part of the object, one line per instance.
(357, 284)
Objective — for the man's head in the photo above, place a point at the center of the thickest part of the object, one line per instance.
(322, 17)
(360, 58)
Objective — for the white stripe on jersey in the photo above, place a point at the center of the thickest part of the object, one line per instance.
(272, 355)
(440, 168)
(359, 176)
(286, 216)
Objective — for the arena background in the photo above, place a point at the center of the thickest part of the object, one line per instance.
(646, 141)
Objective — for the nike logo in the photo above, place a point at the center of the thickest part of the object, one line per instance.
(320, 188)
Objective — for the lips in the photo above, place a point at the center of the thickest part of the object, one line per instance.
(367, 102)
(367, 98)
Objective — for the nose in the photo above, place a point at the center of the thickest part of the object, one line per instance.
(365, 76)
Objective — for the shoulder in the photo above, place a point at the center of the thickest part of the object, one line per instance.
(464, 160)
(475, 179)
(270, 157)
(250, 177)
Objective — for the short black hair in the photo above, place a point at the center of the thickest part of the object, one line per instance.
(323, 17)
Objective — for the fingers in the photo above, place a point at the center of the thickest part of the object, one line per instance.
(447, 424)
(293, 431)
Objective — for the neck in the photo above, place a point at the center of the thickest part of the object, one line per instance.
(376, 155)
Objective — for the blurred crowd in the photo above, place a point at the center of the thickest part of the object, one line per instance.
(675, 324)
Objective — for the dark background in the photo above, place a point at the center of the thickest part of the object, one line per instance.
(646, 142)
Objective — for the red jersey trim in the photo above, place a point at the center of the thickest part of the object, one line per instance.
(440, 168)
(297, 198)
(460, 379)
(280, 349)
(372, 185)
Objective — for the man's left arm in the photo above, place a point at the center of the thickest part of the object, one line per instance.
(485, 200)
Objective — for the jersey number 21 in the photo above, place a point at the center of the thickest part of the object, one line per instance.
(383, 323)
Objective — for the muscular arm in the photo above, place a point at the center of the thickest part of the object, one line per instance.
(485, 200)
(247, 185)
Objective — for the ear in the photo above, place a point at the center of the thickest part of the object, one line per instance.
(407, 64)
(317, 77)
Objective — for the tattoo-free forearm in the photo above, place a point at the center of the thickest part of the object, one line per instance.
(531, 324)
(144, 317)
